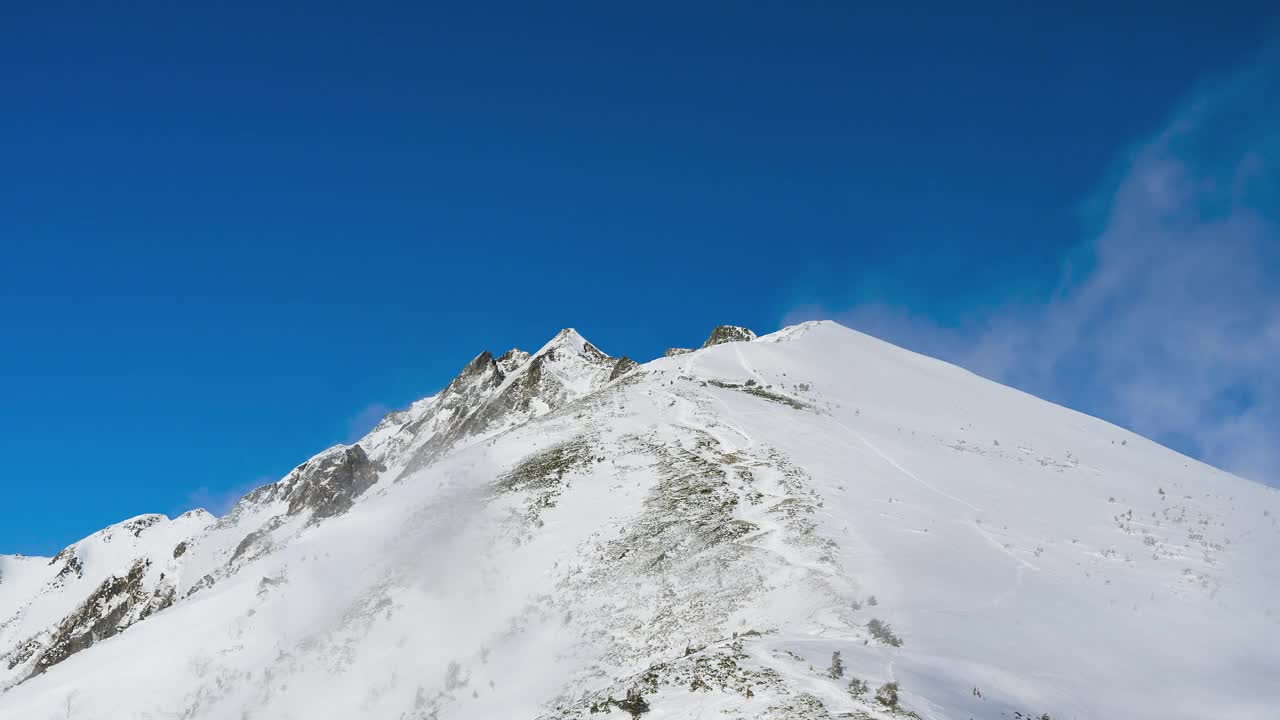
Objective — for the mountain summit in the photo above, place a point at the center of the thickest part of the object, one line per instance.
(809, 524)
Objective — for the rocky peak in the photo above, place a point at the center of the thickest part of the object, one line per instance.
(729, 333)
(570, 341)
(512, 359)
(482, 369)
(567, 367)
(198, 514)
(564, 369)
(469, 389)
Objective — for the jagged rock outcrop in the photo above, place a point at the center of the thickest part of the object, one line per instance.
(623, 366)
(115, 605)
(90, 591)
(672, 352)
(566, 368)
(727, 334)
(512, 359)
(464, 393)
(327, 485)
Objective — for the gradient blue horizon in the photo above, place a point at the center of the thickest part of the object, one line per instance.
(231, 237)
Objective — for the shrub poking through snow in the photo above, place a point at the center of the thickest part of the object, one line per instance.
(887, 695)
(634, 704)
(837, 665)
(857, 687)
(883, 632)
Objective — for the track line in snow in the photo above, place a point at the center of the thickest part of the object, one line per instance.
(687, 416)
(746, 365)
(1000, 546)
(750, 441)
(884, 456)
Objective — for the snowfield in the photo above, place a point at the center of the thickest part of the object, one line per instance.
(808, 524)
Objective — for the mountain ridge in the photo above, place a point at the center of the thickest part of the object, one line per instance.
(728, 546)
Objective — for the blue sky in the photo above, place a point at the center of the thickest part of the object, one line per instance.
(233, 236)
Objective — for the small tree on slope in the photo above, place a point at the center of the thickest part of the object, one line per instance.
(837, 665)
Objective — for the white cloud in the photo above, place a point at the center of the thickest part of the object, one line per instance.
(1172, 327)
(365, 420)
(217, 501)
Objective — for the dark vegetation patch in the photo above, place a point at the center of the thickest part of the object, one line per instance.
(690, 510)
(751, 387)
(542, 477)
(883, 632)
(720, 667)
(545, 470)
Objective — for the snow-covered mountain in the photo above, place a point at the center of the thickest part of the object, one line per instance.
(808, 524)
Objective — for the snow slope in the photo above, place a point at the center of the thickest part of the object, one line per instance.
(564, 535)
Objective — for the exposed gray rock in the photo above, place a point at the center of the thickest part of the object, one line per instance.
(477, 402)
(328, 484)
(672, 352)
(751, 387)
(463, 394)
(115, 605)
(257, 542)
(71, 563)
(511, 360)
(622, 367)
(729, 333)
(568, 358)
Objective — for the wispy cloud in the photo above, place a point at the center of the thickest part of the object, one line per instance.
(219, 501)
(1168, 318)
(362, 422)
